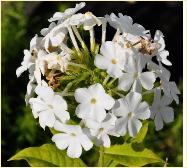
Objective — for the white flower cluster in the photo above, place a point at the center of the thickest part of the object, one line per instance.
(101, 112)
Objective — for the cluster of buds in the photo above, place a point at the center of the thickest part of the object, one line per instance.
(89, 92)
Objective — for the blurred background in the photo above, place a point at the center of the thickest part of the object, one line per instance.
(22, 20)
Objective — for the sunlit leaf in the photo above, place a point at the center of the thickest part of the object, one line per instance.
(47, 155)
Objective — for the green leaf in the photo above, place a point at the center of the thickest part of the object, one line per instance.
(142, 133)
(130, 155)
(47, 155)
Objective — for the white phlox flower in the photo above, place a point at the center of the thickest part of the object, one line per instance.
(29, 55)
(160, 111)
(135, 77)
(61, 16)
(125, 24)
(161, 53)
(130, 111)
(112, 58)
(48, 107)
(169, 87)
(57, 61)
(102, 130)
(71, 137)
(93, 102)
(88, 20)
(54, 36)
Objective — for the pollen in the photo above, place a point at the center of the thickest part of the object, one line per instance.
(73, 134)
(113, 61)
(93, 101)
(130, 114)
(135, 75)
(50, 106)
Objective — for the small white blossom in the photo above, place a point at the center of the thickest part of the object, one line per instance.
(102, 130)
(135, 77)
(113, 58)
(72, 138)
(93, 102)
(54, 36)
(125, 24)
(160, 111)
(29, 55)
(57, 61)
(169, 87)
(61, 16)
(88, 20)
(161, 53)
(130, 111)
(48, 107)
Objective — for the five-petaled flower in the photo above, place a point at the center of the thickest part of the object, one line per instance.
(93, 102)
(71, 137)
(48, 107)
(130, 111)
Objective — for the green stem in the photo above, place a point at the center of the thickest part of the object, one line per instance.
(111, 82)
(92, 40)
(101, 157)
(78, 65)
(117, 93)
(73, 40)
(147, 92)
(106, 80)
(79, 38)
(77, 80)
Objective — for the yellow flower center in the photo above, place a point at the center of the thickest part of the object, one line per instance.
(50, 106)
(135, 75)
(130, 114)
(113, 61)
(93, 101)
(73, 134)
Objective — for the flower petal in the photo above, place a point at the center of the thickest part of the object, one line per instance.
(133, 100)
(147, 80)
(126, 81)
(74, 149)
(59, 102)
(106, 101)
(120, 108)
(46, 118)
(61, 140)
(121, 125)
(158, 121)
(106, 140)
(61, 115)
(82, 95)
(167, 114)
(86, 142)
(114, 71)
(46, 93)
(134, 126)
(101, 62)
(142, 111)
